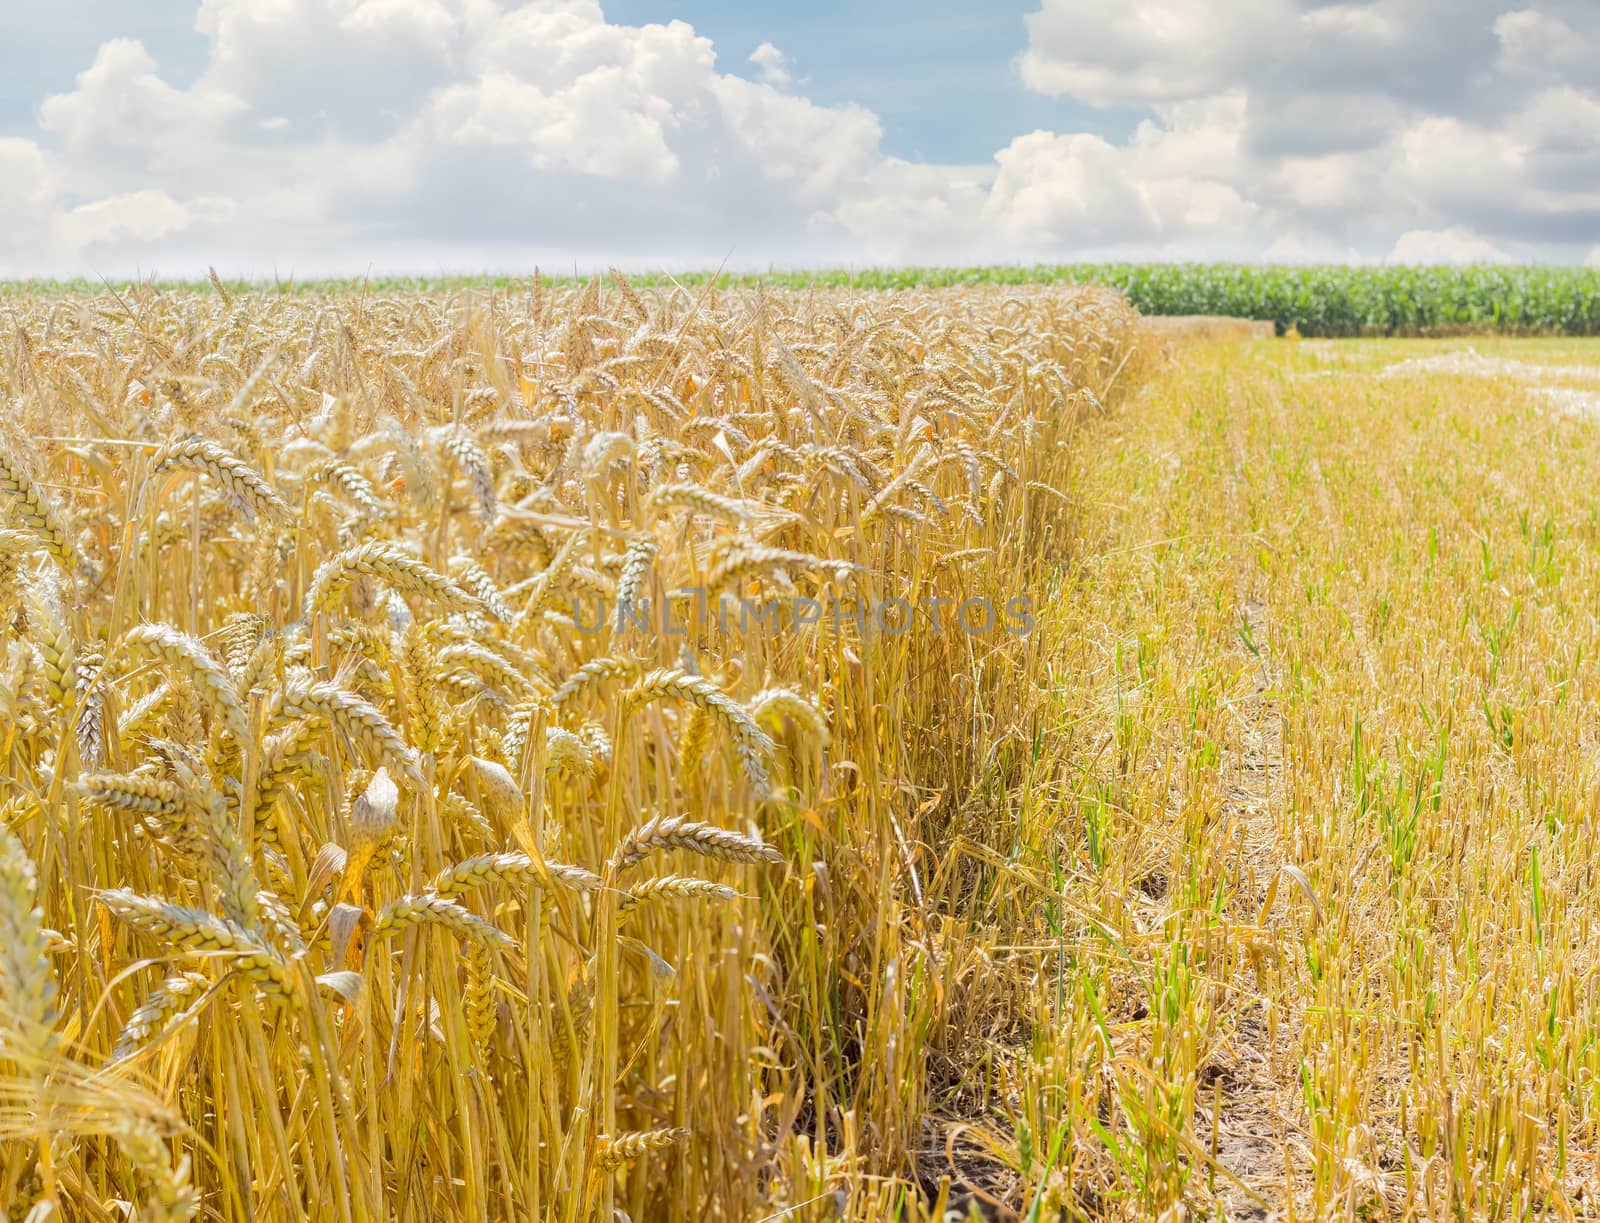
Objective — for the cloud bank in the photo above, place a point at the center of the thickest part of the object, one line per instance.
(329, 136)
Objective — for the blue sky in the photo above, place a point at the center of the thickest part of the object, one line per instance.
(319, 136)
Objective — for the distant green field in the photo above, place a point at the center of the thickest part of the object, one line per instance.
(1346, 301)
(1315, 300)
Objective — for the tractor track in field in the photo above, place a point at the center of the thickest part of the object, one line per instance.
(1242, 1117)
(1333, 527)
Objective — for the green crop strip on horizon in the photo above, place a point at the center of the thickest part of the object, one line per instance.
(1314, 300)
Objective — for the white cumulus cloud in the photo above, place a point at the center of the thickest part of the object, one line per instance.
(1364, 120)
(334, 135)
(1457, 244)
(773, 65)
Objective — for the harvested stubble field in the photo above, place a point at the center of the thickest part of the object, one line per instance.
(351, 868)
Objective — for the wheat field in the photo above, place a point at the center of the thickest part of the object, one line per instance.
(671, 752)
(359, 858)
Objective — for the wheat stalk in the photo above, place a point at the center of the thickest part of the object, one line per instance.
(52, 637)
(158, 1012)
(429, 909)
(678, 887)
(354, 716)
(351, 482)
(750, 742)
(399, 569)
(624, 1148)
(140, 794)
(675, 832)
(595, 671)
(208, 677)
(27, 986)
(697, 500)
(510, 867)
(772, 703)
(243, 487)
(197, 931)
(22, 503)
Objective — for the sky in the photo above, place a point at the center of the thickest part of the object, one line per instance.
(336, 137)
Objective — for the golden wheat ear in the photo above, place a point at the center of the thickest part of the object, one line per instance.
(31, 511)
(244, 488)
(624, 1148)
(391, 565)
(27, 984)
(693, 836)
(362, 722)
(201, 933)
(752, 744)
